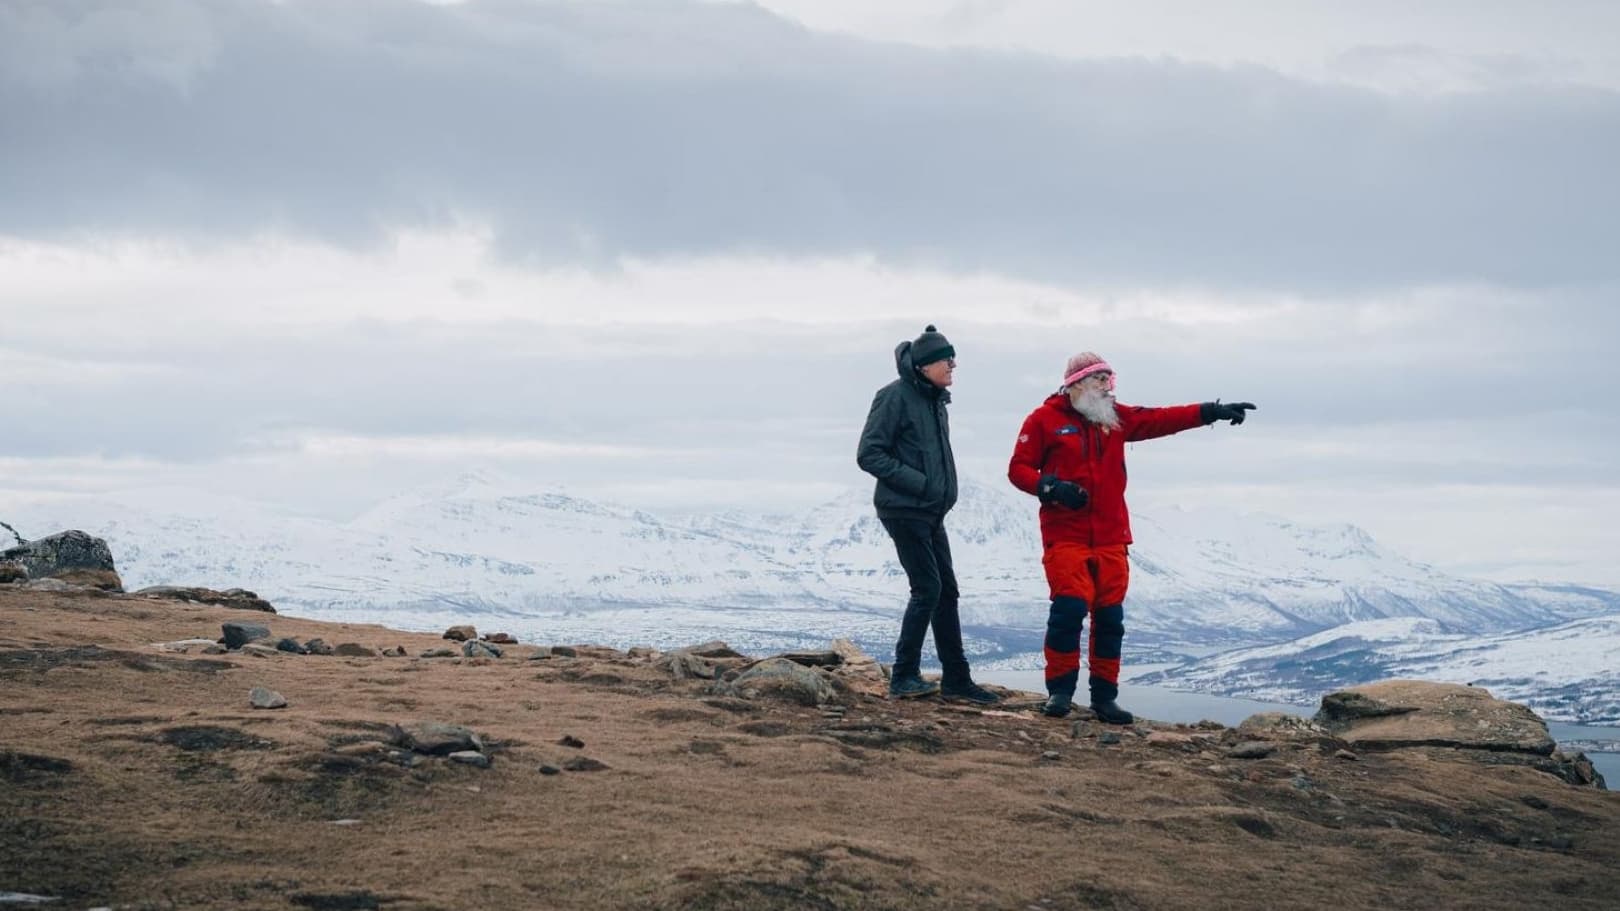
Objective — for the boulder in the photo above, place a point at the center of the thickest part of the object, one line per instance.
(13, 572)
(261, 698)
(436, 738)
(501, 638)
(317, 647)
(59, 553)
(1413, 713)
(779, 678)
(461, 633)
(475, 649)
(289, 644)
(240, 634)
(238, 598)
(354, 650)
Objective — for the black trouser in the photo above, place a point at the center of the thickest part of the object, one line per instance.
(925, 554)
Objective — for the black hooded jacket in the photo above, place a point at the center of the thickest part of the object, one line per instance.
(906, 445)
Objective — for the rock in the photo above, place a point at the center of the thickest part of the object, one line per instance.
(354, 650)
(814, 659)
(460, 633)
(584, 764)
(1108, 738)
(1346, 755)
(240, 634)
(779, 678)
(289, 644)
(684, 665)
(440, 652)
(501, 638)
(237, 598)
(394, 651)
(1349, 705)
(261, 698)
(547, 768)
(260, 650)
(13, 572)
(183, 646)
(714, 648)
(1281, 726)
(103, 579)
(318, 647)
(563, 651)
(642, 652)
(470, 757)
(569, 740)
(362, 748)
(49, 585)
(435, 738)
(475, 649)
(1051, 754)
(60, 553)
(1409, 713)
(1251, 749)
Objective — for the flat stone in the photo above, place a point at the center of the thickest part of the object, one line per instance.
(261, 698)
(259, 650)
(183, 646)
(354, 650)
(1251, 749)
(1396, 714)
(501, 638)
(470, 757)
(440, 652)
(436, 738)
(547, 768)
(584, 764)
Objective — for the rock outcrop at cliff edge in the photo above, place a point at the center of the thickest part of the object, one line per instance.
(74, 556)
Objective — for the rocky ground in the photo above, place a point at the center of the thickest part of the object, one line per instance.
(137, 772)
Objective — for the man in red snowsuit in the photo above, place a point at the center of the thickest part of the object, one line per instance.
(1071, 454)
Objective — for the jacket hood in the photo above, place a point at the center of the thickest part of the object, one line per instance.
(907, 369)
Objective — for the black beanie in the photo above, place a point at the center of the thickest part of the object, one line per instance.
(930, 347)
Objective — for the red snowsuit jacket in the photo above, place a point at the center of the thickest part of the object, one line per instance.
(1056, 439)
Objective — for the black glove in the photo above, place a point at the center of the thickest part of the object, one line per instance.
(1064, 493)
(1210, 412)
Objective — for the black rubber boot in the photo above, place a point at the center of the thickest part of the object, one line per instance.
(1058, 705)
(1103, 694)
(1110, 713)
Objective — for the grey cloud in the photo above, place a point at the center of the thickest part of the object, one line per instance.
(595, 131)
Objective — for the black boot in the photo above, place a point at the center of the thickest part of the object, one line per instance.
(967, 692)
(1110, 713)
(1103, 694)
(1058, 705)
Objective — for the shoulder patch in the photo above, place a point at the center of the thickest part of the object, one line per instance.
(1023, 438)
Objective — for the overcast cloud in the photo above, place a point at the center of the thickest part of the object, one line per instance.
(661, 251)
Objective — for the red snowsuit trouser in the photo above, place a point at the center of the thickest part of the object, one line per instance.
(1085, 580)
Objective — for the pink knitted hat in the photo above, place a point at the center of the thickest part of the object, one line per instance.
(1083, 365)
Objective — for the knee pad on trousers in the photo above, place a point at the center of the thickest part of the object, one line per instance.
(1108, 630)
(1064, 622)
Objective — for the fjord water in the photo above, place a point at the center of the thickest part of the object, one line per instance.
(1162, 704)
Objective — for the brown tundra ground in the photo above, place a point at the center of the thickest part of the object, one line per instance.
(132, 777)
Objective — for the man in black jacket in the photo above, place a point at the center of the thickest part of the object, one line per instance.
(906, 445)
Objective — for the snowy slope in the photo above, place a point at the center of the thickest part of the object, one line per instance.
(1567, 672)
(556, 565)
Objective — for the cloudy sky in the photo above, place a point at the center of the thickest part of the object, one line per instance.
(660, 251)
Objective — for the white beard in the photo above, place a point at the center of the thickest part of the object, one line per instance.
(1096, 407)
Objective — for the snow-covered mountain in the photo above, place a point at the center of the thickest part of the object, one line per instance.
(551, 565)
(1567, 672)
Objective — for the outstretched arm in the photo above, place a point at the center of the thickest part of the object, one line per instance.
(875, 454)
(1147, 423)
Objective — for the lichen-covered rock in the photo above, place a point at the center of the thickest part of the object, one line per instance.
(13, 572)
(238, 598)
(779, 678)
(60, 553)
